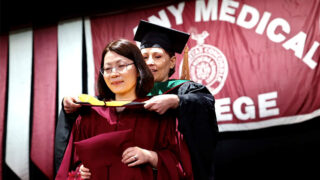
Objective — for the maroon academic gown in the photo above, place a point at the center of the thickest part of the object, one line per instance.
(100, 135)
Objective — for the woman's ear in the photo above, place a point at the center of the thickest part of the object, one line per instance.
(173, 60)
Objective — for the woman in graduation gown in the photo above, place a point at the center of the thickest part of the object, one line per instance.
(192, 102)
(125, 142)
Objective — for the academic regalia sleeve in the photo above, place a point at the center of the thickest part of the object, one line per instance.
(70, 159)
(173, 158)
(198, 124)
(67, 158)
(62, 134)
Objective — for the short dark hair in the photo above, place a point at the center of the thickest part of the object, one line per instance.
(172, 70)
(129, 50)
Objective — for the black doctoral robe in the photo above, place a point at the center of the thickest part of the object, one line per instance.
(196, 121)
(198, 124)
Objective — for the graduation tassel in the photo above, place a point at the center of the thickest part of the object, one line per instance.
(185, 66)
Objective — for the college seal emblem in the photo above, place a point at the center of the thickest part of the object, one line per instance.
(207, 64)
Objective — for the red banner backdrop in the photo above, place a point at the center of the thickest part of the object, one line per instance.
(44, 87)
(260, 59)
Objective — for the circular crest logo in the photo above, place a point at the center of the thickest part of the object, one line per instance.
(207, 64)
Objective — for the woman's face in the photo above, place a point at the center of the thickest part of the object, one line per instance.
(120, 75)
(159, 62)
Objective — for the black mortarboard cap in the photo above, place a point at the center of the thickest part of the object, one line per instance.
(152, 35)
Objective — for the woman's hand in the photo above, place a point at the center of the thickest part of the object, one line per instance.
(84, 172)
(162, 103)
(69, 104)
(134, 156)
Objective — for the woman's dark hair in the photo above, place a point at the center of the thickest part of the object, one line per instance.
(172, 70)
(129, 50)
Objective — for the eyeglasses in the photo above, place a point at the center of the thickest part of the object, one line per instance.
(119, 68)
